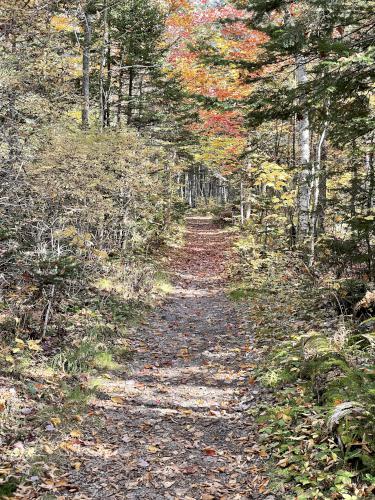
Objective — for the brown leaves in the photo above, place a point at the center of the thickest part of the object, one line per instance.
(172, 426)
(54, 484)
(183, 353)
(190, 469)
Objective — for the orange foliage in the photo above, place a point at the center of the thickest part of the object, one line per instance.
(222, 133)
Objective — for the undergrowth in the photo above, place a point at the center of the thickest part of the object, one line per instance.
(47, 383)
(320, 429)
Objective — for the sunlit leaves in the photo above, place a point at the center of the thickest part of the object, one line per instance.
(221, 152)
(64, 23)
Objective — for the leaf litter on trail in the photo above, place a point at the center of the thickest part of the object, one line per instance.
(169, 422)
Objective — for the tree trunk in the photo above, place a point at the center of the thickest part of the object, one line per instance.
(107, 107)
(304, 187)
(140, 102)
(120, 88)
(322, 199)
(242, 212)
(130, 95)
(316, 186)
(354, 182)
(103, 97)
(86, 70)
(371, 179)
(370, 200)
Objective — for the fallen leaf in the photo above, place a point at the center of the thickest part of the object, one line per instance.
(48, 449)
(191, 469)
(117, 399)
(187, 412)
(51, 484)
(211, 452)
(142, 463)
(283, 462)
(168, 484)
(152, 449)
(33, 345)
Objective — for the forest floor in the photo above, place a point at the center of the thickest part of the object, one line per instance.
(200, 391)
(173, 426)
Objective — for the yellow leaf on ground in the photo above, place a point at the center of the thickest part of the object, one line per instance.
(117, 399)
(33, 345)
(68, 446)
(152, 449)
(47, 449)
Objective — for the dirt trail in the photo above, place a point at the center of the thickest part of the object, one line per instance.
(177, 429)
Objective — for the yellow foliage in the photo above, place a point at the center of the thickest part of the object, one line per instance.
(63, 23)
(221, 152)
(272, 175)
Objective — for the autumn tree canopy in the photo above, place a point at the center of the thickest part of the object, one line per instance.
(117, 120)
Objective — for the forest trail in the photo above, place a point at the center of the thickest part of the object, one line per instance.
(174, 426)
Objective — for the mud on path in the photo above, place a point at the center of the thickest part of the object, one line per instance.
(175, 425)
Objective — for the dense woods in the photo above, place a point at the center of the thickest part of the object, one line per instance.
(117, 119)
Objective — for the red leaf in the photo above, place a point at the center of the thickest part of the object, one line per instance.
(211, 452)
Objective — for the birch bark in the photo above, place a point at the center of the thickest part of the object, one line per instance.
(304, 181)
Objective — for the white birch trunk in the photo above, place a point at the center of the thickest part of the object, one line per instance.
(304, 185)
(314, 213)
